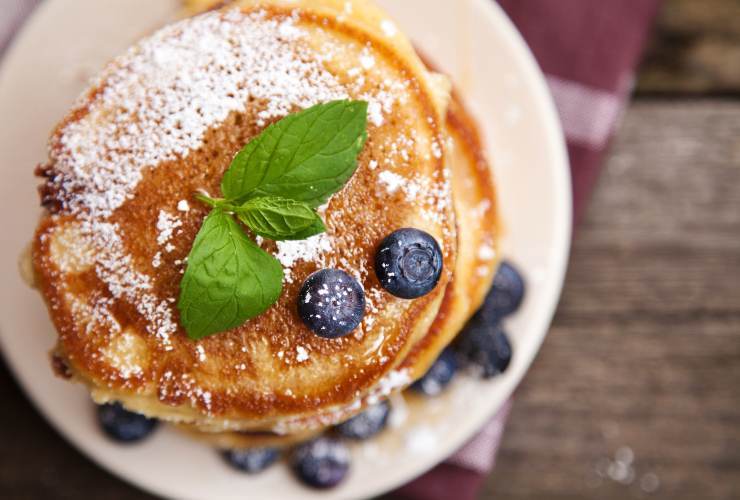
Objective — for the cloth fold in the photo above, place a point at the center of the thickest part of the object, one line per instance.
(588, 51)
(12, 16)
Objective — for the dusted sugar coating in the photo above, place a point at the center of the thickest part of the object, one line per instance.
(164, 121)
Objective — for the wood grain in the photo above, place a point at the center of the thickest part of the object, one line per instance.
(645, 348)
(695, 49)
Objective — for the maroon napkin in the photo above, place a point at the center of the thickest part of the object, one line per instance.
(588, 50)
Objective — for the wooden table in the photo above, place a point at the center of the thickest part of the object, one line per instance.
(644, 353)
(643, 360)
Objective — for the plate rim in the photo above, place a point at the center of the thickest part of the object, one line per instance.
(556, 136)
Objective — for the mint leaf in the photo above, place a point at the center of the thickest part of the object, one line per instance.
(280, 218)
(228, 279)
(317, 228)
(307, 156)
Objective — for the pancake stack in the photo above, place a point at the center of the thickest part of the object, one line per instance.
(163, 122)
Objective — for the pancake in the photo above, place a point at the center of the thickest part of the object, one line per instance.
(477, 258)
(235, 440)
(475, 202)
(163, 121)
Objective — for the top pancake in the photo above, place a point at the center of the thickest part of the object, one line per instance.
(165, 120)
(476, 260)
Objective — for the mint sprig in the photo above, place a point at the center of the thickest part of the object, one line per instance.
(273, 186)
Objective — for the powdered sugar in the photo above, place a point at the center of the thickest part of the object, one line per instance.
(173, 386)
(122, 354)
(309, 250)
(160, 98)
(486, 252)
(375, 113)
(430, 195)
(436, 150)
(166, 226)
(201, 353)
(157, 260)
(388, 27)
(115, 268)
(393, 380)
(421, 440)
(301, 354)
(367, 60)
(391, 180)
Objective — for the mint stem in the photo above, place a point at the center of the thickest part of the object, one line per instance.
(225, 205)
(213, 203)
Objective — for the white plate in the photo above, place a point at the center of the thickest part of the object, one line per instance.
(66, 41)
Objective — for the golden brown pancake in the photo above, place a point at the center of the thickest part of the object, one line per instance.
(474, 199)
(477, 227)
(164, 121)
(235, 440)
(477, 257)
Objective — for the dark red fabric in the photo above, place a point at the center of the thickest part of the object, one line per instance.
(593, 42)
(444, 482)
(588, 41)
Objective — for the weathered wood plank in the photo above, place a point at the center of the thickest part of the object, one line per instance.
(645, 350)
(694, 49)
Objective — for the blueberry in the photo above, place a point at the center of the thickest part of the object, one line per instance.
(366, 424)
(408, 263)
(331, 303)
(122, 425)
(484, 346)
(322, 463)
(506, 294)
(251, 461)
(439, 375)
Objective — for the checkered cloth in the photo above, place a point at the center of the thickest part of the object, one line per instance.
(588, 51)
